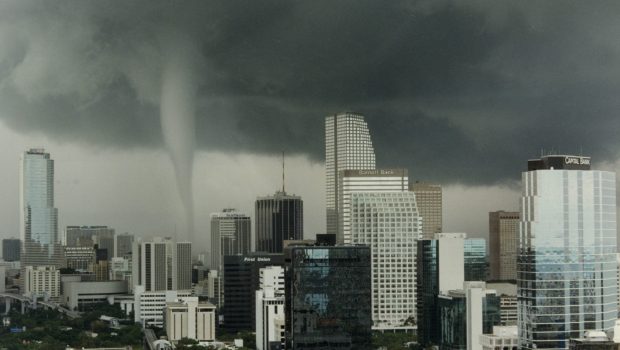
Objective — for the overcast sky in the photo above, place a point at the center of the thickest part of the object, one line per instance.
(461, 93)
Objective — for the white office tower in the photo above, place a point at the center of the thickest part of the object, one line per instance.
(162, 264)
(352, 181)
(451, 252)
(149, 305)
(230, 235)
(188, 318)
(348, 146)
(388, 222)
(270, 308)
(42, 282)
(38, 216)
(566, 269)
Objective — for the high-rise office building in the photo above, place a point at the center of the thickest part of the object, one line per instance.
(503, 241)
(466, 314)
(162, 264)
(430, 206)
(230, 235)
(476, 262)
(328, 297)
(123, 245)
(241, 280)
(348, 146)
(11, 249)
(105, 240)
(389, 224)
(270, 308)
(566, 274)
(87, 236)
(279, 217)
(80, 258)
(440, 268)
(355, 181)
(38, 216)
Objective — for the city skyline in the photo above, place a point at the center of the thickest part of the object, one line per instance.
(455, 96)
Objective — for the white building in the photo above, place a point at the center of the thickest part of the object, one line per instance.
(354, 181)
(451, 252)
(42, 282)
(149, 305)
(348, 146)
(231, 234)
(270, 307)
(120, 270)
(567, 252)
(78, 294)
(388, 222)
(162, 264)
(187, 318)
(503, 338)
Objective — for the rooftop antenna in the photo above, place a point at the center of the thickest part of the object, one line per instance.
(283, 172)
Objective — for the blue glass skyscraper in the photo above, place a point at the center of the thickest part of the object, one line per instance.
(39, 217)
(566, 269)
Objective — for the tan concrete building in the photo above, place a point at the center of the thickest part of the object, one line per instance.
(187, 318)
(430, 205)
(503, 243)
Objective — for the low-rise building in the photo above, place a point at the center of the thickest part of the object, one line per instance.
(187, 318)
(149, 306)
(77, 294)
(593, 340)
(502, 338)
(42, 282)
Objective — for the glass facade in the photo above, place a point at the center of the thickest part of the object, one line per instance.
(347, 146)
(427, 290)
(476, 262)
(39, 217)
(453, 315)
(279, 217)
(328, 297)
(567, 277)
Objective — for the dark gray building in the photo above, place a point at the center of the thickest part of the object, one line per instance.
(278, 218)
(11, 248)
(123, 244)
(241, 280)
(328, 297)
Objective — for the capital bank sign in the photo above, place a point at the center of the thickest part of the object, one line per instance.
(378, 172)
(571, 160)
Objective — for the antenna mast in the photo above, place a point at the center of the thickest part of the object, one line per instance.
(282, 171)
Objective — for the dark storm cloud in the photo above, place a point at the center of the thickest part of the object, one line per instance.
(456, 91)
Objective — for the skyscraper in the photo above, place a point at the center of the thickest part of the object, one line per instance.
(388, 222)
(328, 297)
(11, 248)
(566, 275)
(429, 198)
(348, 146)
(355, 181)
(440, 268)
(123, 244)
(279, 217)
(104, 238)
(38, 216)
(475, 259)
(503, 241)
(230, 235)
(162, 264)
